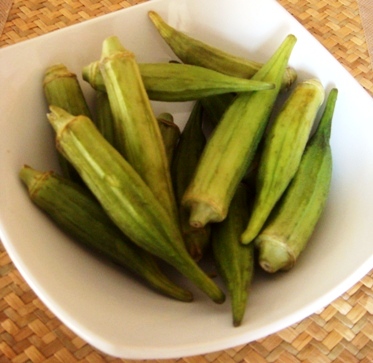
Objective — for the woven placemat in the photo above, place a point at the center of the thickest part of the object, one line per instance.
(341, 332)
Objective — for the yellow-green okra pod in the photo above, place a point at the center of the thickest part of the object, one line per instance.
(138, 137)
(61, 88)
(186, 157)
(234, 261)
(77, 212)
(195, 52)
(233, 144)
(125, 196)
(292, 222)
(176, 82)
(282, 151)
(214, 107)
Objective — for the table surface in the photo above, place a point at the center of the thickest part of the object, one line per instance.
(341, 332)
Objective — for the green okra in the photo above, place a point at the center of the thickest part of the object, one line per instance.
(292, 222)
(61, 88)
(233, 144)
(125, 197)
(215, 106)
(186, 156)
(282, 151)
(176, 82)
(77, 212)
(104, 116)
(195, 52)
(138, 137)
(234, 261)
(170, 133)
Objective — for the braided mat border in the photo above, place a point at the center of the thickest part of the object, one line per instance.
(342, 332)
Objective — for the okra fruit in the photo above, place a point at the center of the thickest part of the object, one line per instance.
(291, 224)
(215, 106)
(170, 133)
(234, 261)
(125, 197)
(78, 214)
(195, 52)
(61, 88)
(282, 151)
(104, 116)
(138, 137)
(176, 82)
(187, 154)
(233, 144)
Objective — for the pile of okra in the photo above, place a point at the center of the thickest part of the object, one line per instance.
(142, 192)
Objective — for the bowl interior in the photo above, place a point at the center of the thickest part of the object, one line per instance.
(113, 311)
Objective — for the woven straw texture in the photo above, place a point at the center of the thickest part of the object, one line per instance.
(341, 332)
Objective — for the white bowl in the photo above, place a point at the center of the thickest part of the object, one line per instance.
(112, 311)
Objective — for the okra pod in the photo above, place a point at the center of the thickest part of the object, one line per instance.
(138, 137)
(104, 117)
(61, 88)
(283, 148)
(170, 133)
(233, 144)
(77, 213)
(176, 82)
(125, 196)
(215, 106)
(234, 261)
(186, 157)
(195, 52)
(294, 219)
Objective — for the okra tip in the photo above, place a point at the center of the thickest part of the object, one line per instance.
(238, 317)
(249, 233)
(327, 116)
(164, 29)
(170, 289)
(273, 254)
(154, 16)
